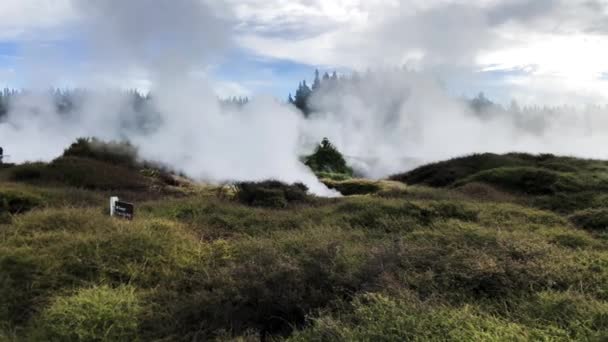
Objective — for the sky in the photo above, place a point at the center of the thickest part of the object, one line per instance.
(544, 52)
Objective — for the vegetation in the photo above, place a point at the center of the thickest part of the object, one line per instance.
(326, 159)
(116, 153)
(271, 194)
(353, 186)
(97, 314)
(482, 257)
(561, 184)
(96, 165)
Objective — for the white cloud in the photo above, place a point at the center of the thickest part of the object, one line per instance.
(565, 40)
(25, 19)
(228, 89)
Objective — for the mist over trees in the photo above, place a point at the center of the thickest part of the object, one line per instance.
(532, 119)
(138, 105)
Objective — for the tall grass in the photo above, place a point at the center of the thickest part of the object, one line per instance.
(404, 263)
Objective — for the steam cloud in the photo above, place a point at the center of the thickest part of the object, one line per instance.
(385, 123)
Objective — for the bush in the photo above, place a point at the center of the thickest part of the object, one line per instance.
(117, 153)
(526, 180)
(456, 210)
(377, 317)
(567, 203)
(580, 317)
(485, 192)
(96, 314)
(82, 173)
(591, 219)
(445, 173)
(19, 286)
(354, 187)
(27, 172)
(16, 202)
(326, 158)
(266, 284)
(376, 216)
(271, 194)
(333, 176)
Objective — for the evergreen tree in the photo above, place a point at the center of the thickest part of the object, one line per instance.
(317, 83)
(327, 158)
(302, 96)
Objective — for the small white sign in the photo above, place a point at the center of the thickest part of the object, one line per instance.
(113, 201)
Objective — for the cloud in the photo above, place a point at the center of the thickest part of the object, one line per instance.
(30, 19)
(171, 46)
(560, 38)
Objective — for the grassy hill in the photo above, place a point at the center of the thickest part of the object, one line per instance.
(486, 247)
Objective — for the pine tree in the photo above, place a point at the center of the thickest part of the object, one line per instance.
(302, 96)
(317, 83)
(327, 158)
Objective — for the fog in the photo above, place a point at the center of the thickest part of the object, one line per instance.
(386, 122)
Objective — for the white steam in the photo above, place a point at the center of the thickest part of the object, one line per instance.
(386, 122)
(391, 121)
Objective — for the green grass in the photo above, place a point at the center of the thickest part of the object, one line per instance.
(561, 184)
(99, 314)
(481, 260)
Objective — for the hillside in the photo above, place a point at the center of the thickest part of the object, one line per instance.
(485, 247)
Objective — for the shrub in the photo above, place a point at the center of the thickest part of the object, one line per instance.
(385, 217)
(567, 203)
(354, 187)
(591, 219)
(27, 172)
(83, 173)
(15, 202)
(527, 180)
(19, 286)
(271, 194)
(91, 174)
(447, 172)
(333, 176)
(266, 284)
(455, 211)
(117, 153)
(326, 158)
(485, 192)
(100, 313)
(377, 317)
(580, 317)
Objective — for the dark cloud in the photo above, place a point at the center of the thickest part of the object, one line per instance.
(521, 11)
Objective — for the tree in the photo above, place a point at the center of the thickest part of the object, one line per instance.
(327, 158)
(317, 83)
(301, 99)
(325, 77)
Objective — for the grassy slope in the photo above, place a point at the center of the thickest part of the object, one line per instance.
(477, 258)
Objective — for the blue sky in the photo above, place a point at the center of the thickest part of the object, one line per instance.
(541, 51)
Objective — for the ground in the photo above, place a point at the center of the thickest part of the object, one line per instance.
(487, 247)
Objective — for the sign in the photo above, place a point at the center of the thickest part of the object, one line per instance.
(121, 209)
(113, 201)
(124, 210)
